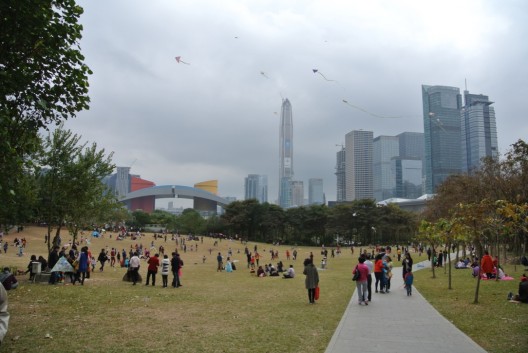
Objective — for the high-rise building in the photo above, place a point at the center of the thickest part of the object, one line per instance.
(341, 175)
(384, 149)
(411, 145)
(315, 192)
(256, 187)
(478, 131)
(297, 193)
(441, 117)
(408, 177)
(358, 165)
(286, 155)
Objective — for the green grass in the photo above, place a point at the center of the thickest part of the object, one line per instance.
(494, 323)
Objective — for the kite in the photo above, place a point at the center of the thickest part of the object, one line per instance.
(180, 61)
(369, 113)
(264, 74)
(315, 71)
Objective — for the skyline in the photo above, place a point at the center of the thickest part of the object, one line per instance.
(217, 118)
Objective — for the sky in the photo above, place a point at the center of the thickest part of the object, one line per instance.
(216, 116)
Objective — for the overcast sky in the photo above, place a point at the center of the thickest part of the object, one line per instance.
(218, 118)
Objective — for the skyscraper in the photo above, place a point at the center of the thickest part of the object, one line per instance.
(341, 175)
(478, 131)
(384, 149)
(256, 187)
(358, 165)
(286, 154)
(315, 192)
(441, 117)
(297, 193)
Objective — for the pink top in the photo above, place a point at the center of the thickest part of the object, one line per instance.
(363, 272)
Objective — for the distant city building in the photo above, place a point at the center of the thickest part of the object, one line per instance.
(358, 165)
(478, 131)
(384, 149)
(256, 187)
(341, 175)
(297, 193)
(441, 117)
(408, 178)
(122, 182)
(315, 192)
(286, 155)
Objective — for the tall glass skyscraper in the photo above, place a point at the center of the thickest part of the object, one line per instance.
(358, 165)
(441, 117)
(341, 175)
(256, 187)
(315, 192)
(286, 155)
(478, 131)
(384, 148)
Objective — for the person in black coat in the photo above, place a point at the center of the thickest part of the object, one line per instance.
(176, 265)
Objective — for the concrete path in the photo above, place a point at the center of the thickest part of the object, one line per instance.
(394, 322)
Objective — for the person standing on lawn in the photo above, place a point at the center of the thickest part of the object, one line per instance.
(133, 267)
(152, 269)
(165, 266)
(176, 265)
(311, 280)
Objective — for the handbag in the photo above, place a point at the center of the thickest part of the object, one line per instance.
(316, 296)
(356, 274)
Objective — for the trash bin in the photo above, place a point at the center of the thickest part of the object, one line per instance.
(35, 268)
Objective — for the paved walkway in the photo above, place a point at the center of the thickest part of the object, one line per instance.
(393, 322)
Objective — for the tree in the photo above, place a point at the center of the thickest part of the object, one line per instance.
(428, 233)
(70, 182)
(44, 81)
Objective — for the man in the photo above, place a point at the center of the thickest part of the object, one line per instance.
(153, 264)
(134, 268)
(52, 260)
(220, 262)
(370, 266)
(4, 314)
(176, 265)
(290, 273)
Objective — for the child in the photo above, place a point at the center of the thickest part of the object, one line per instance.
(165, 267)
(409, 278)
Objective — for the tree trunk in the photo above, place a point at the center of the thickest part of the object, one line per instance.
(449, 260)
(477, 289)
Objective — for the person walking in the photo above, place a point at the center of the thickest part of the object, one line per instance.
(362, 281)
(102, 259)
(378, 273)
(370, 266)
(407, 264)
(83, 263)
(133, 267)
(312, 279)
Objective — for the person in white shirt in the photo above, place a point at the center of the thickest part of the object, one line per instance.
(290, 273)
(370, 266)
(133, 267)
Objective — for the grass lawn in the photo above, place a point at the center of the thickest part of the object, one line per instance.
(495, 324)
(226, 312)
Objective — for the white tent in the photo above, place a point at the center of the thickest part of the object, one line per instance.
(62, 266)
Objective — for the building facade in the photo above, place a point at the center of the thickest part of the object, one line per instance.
(286, 155)
(478, 131)
(340, 175)
(256, 187)
(315, 192)
(297, 193)
(441, 118)
(384, 149)
(358, 165)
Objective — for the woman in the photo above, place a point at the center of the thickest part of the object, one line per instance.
(361, 282)
(83, 264)
(378, 273)
(407, 264)
(312, 279)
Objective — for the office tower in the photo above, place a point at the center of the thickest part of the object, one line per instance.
(411, 145)
(286, 154)
(441, 117)
(256, 187)
(297, 193)
(408, 177)
(340, 175)
(358, 165)
(408, 167)
(315, 191)
(122, 183)
(478, 131)
(384, 149)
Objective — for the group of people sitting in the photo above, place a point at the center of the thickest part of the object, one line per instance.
(272, 271)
